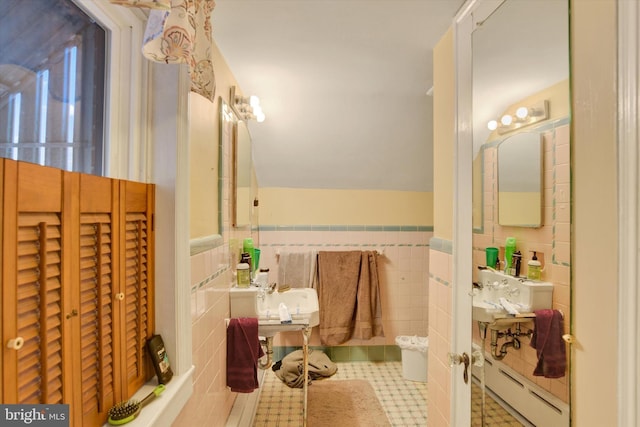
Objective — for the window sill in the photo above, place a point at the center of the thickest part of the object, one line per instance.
(164, 409)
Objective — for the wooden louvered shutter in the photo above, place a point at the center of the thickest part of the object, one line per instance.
(33, 302)
(136, 251)
(97, 265)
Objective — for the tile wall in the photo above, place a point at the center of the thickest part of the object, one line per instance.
(440, 309)
(403, 268)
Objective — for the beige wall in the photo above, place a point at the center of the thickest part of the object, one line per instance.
(440, 258)
(204, 143)
(593, 56)
(443, 136)
(291, 206)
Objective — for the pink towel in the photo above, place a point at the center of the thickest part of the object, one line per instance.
(549, 345)
(243, 352)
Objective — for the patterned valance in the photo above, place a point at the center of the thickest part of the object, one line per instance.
(180, 34)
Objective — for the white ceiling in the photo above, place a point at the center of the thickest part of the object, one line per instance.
(343, 82)
(343, 85)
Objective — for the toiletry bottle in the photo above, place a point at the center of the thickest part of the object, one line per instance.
(246, 258)
(247, 246)
(534, 268)
(242, 275)
(509, 249)
(516, 264)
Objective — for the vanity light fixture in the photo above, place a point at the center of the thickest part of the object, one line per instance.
(246, 108)
(524, 116)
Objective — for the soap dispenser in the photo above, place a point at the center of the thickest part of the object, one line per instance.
(534, 270)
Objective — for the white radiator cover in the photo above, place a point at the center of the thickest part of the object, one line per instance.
(532, 402)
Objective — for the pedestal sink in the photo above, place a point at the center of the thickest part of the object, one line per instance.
(264, 304)
(302, 304)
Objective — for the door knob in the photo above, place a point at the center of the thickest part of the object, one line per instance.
(459, 359)
(15, 343)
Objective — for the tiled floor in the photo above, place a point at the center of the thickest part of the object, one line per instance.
(404, 401)
(495, 415)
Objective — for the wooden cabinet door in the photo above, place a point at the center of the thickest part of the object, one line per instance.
(96, 265)
(136, 278)
(77, 266)
(33, 301)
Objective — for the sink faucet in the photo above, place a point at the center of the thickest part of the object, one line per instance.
(266, 289)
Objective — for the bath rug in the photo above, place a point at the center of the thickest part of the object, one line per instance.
(349, 403)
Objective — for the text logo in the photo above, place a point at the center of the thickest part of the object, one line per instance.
(34, 415)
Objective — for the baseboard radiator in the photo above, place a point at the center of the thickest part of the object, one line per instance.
(530, 401)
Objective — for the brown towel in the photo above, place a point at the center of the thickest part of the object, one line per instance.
(549, 345)
(291, 368)
(338, 274)
(243, 352)
(349, 296)
(368, 322)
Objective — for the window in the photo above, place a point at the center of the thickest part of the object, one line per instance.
(52, 85)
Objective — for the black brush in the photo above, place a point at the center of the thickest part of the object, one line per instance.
(125, 412)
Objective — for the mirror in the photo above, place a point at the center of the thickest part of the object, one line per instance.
(520, 57)
(235, 139)
(520, 180)
(241, 203)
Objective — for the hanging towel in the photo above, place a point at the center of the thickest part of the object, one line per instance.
(549, 345)
(338, 274)
(349, 296)
(368, 322)
(298, 269)
(243, 352)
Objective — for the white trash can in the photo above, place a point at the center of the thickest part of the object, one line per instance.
(414, 357)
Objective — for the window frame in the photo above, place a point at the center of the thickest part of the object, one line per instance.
(126, 74)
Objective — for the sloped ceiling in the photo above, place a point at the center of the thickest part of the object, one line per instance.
(343, 84)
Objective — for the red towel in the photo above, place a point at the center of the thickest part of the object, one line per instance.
(549, 345)
(243, 352)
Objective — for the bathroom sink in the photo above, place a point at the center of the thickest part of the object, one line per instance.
(302, 304)
(524, 295)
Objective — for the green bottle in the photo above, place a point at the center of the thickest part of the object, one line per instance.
(509, 249)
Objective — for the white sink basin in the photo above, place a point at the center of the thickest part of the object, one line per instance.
(302, 304)
(525, 295)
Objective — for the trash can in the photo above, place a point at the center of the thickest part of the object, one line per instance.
(414, 357)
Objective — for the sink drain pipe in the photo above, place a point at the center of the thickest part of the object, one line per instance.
(267, 345)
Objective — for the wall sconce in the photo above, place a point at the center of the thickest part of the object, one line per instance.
(524, 116)
(246, 108)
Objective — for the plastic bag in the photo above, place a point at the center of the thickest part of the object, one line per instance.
(413, 343)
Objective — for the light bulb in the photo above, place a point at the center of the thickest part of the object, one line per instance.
(254, 101)
(522, 112)
(492, 125)
(506, 120)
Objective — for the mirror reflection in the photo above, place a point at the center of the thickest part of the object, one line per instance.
(242, 174)
(520, 180)
(521, 194)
